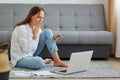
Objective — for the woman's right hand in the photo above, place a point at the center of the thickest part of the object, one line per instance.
(35, 30)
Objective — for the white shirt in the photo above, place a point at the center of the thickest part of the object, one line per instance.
(22, 44)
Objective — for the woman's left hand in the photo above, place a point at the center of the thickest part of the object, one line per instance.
(58, 36)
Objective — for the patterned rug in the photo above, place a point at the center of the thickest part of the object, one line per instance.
(97, 69)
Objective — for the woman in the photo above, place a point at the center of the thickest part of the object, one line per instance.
(28, 40)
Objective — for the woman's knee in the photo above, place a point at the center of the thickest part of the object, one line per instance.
(38, 63)
(48, 32)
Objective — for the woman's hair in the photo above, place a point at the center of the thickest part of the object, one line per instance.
(34, 10)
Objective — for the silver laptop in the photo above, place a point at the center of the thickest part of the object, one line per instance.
(79, 61)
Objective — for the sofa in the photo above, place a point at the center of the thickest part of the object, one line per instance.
(83, 27)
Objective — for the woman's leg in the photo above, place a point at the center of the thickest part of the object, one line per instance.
(46, 37)
(41, 44)
(57, 61)
(31, 62)
(52, 47)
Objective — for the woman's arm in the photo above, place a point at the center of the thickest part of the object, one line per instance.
(25, 41)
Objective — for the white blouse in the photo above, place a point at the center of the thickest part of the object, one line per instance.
(22, 44)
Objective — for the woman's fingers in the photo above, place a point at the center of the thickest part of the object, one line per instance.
(58, 36)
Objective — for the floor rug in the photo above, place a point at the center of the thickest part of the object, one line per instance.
(97, 69)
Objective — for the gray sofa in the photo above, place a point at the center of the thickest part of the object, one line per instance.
(83, 26)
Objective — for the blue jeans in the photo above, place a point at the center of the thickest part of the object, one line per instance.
(35, 62)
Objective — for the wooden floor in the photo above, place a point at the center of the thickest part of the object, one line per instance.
(115, 62)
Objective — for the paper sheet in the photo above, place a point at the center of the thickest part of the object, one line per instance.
(33, 73)
(40, 73)
(21, 73)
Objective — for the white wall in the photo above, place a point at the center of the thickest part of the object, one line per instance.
(55, 1)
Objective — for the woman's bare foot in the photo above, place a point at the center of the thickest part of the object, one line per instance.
(58, 36)
(60, 64)
(47, 61)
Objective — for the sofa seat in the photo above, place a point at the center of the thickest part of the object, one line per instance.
(85, 37)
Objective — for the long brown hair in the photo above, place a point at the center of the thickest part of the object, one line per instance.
(34, 10)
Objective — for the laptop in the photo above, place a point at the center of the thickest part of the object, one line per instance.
(79, 62)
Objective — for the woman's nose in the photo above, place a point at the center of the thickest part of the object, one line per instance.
(38, 19)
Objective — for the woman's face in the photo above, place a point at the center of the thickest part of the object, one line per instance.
(38, 18)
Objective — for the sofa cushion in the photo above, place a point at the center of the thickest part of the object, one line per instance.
(86, 37)
(78, 17)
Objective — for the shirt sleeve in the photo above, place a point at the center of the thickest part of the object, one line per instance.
(26, 42)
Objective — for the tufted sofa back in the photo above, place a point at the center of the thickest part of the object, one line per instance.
(75, 17)
(67, 17)
(59, 17)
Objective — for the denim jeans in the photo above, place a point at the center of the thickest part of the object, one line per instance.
(35, 62)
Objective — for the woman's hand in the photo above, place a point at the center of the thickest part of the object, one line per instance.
(35, 30)
(58, 36)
